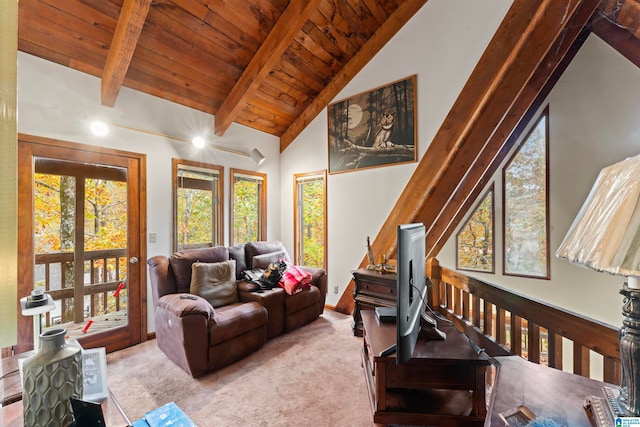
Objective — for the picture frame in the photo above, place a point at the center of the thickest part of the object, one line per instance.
(94, 374)
(375, 128)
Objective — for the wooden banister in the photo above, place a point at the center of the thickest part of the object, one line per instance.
(504, 322)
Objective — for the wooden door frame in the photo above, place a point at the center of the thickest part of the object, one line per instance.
(30, 146)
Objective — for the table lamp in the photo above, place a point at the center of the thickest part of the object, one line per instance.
(605, 236)
(36, 305)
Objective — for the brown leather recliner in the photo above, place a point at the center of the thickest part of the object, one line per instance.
(200, 338)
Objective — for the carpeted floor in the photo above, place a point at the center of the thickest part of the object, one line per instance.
(309, 377)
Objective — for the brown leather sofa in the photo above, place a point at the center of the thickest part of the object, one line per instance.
(200, 338)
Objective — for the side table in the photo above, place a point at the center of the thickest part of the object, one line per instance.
(10, 384)
(372, 289)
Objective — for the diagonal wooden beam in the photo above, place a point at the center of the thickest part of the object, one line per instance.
(386, 31)
(444, 223)
(518, 49)
(125, 40)
(269, 53)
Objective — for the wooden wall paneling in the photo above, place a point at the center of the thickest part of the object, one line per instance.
(391, 26)
(202, 46)
(149, 84)
(268, 54)
(181, 74)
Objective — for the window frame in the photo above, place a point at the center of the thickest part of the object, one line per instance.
(262, 203)
(217, 239)
(297, 178)
(544, 115)
(489, 191)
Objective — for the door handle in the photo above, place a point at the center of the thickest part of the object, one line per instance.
(133, 260)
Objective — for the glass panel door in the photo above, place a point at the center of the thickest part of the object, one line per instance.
(80, 240)
(81, 256)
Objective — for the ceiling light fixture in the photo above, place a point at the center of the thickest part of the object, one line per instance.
(198, 142)
(255, 155)
(99, 128)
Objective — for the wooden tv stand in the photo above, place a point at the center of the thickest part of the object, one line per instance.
(443, 384)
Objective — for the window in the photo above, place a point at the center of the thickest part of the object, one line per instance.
(475, 245)
(248, 206)
(526, 219)
(310, 221)
(197, 205)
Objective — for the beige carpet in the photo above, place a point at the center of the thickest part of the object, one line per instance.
(309, 377)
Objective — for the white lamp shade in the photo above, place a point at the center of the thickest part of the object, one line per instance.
(605, 235)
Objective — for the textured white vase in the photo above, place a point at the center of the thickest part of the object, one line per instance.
(51, 377)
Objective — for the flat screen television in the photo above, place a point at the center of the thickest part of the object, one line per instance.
(412, 289)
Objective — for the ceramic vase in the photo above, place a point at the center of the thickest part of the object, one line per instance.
(51, 377)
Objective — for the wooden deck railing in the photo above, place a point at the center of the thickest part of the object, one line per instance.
(504, 322)
(104, 268)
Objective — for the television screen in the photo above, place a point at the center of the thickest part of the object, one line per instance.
(411, 290)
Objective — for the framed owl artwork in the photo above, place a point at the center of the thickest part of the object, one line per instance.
(374, 128)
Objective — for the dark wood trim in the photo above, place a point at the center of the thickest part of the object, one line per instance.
(33, 146)
(263, 203)
(490, 191)
(544, 115)
(489, 161)
(619, 38)
(526, 49)
(175, 163)
(323, 174)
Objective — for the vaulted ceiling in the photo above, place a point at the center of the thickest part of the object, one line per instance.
(272, 65)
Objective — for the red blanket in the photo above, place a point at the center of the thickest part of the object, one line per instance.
(295, 280)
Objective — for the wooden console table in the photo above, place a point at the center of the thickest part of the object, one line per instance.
(443, 384)
(372, 289)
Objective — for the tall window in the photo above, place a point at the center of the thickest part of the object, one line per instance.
(248, 206)
(526, 212)
(310, 221)
(197, 204)
(475, 239)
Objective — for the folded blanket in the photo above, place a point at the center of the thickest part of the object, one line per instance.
(295, 280)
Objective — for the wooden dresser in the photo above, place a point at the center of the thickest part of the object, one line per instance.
(372, 289)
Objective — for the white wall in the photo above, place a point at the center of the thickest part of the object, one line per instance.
(58, 102)
(441, 44)
(593, 123)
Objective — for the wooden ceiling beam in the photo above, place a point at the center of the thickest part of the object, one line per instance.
(270, 52)
(517, 50)
(380, 38)
(520, 115)
(624, 40)
(125, 39)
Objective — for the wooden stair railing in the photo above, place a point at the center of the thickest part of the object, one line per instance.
(504, 322)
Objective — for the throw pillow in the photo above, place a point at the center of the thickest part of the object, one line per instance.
(263, 261)
(215, 282)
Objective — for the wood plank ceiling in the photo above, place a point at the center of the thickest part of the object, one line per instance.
(272, 65)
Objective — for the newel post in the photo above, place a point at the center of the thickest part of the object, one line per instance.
(434, 274)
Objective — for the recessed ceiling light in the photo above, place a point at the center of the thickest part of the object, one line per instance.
(198, 142)
(99, 128)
